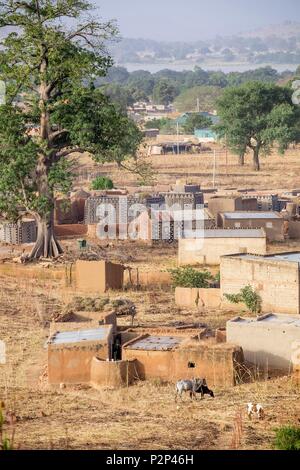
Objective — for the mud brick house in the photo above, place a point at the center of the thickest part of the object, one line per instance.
(218, 242)
(23, 231)
(171, 358)
(167, 225)
(70, 353)
(182, 199)
(269, 341)
(217, 204)
(271, 222)
(275, 278)
(265, 201)
(98, 276)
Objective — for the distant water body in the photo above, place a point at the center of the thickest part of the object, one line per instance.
(179, 67)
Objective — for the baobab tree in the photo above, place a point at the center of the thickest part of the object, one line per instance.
(50, 54)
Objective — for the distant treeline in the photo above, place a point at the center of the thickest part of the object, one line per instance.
(167, 86)
(282, 44)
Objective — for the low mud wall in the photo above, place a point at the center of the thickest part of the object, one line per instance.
(197, 298)
(112, 374)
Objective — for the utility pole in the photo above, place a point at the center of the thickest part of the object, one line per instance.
(198, 105)
(214, 170)
(177, 138)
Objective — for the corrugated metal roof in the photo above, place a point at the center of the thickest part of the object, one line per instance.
(251, 215)
(234, 233)
(78, 336)
(293, 257)
(156, 343)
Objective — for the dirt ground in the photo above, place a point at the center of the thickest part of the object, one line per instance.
(145, 415)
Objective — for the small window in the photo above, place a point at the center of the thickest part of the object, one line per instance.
(191, 365)
(269, 225)
(237, 224)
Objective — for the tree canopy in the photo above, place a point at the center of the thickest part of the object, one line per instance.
(196, 121)
(256, 116)
(52, 108)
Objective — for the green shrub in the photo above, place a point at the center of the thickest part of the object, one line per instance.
(102, 182)
(189, 277)
(248, 296)
(6, 443)
(287, 438)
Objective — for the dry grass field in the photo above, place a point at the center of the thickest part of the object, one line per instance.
(143, 416)
(277, 171)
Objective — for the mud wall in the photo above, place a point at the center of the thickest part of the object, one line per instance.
(112, 374)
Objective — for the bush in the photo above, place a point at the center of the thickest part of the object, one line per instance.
(101, 182)
(248, 296)
(189, 277)
(287, 438)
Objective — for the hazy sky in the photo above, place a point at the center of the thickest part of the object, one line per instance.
(189, 20)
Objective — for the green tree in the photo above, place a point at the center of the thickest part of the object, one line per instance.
(248, 296)
(204, 96)
(48, 67)
(164, 92)
(190, 277)
(196, 121)
(102, 182)
(257, 115)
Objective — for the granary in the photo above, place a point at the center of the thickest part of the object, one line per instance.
(230, 203)
(170, 358)
(271, 222)
(274, 277)
(70, 353)
(218, 242)
(98, 276)
(269, 341)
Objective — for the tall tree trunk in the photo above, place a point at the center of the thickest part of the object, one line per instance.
(256, 164)
(242, 158)
(46, 244)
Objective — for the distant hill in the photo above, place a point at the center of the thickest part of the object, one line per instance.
(276, 44)
(284, 30)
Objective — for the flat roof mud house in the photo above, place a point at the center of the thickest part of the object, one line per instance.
(271, 222)
(70, 353)
(230, 203)
(269, 341)
(274, 277)
(171, 358)
(219, 242)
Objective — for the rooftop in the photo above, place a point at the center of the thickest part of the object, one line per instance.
(234, 233)
(251, 215)
(67, 337)
(156, 343)
(292, 257)
(273, 319)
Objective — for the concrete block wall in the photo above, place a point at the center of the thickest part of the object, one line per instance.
(207, 251)
(276, 282)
